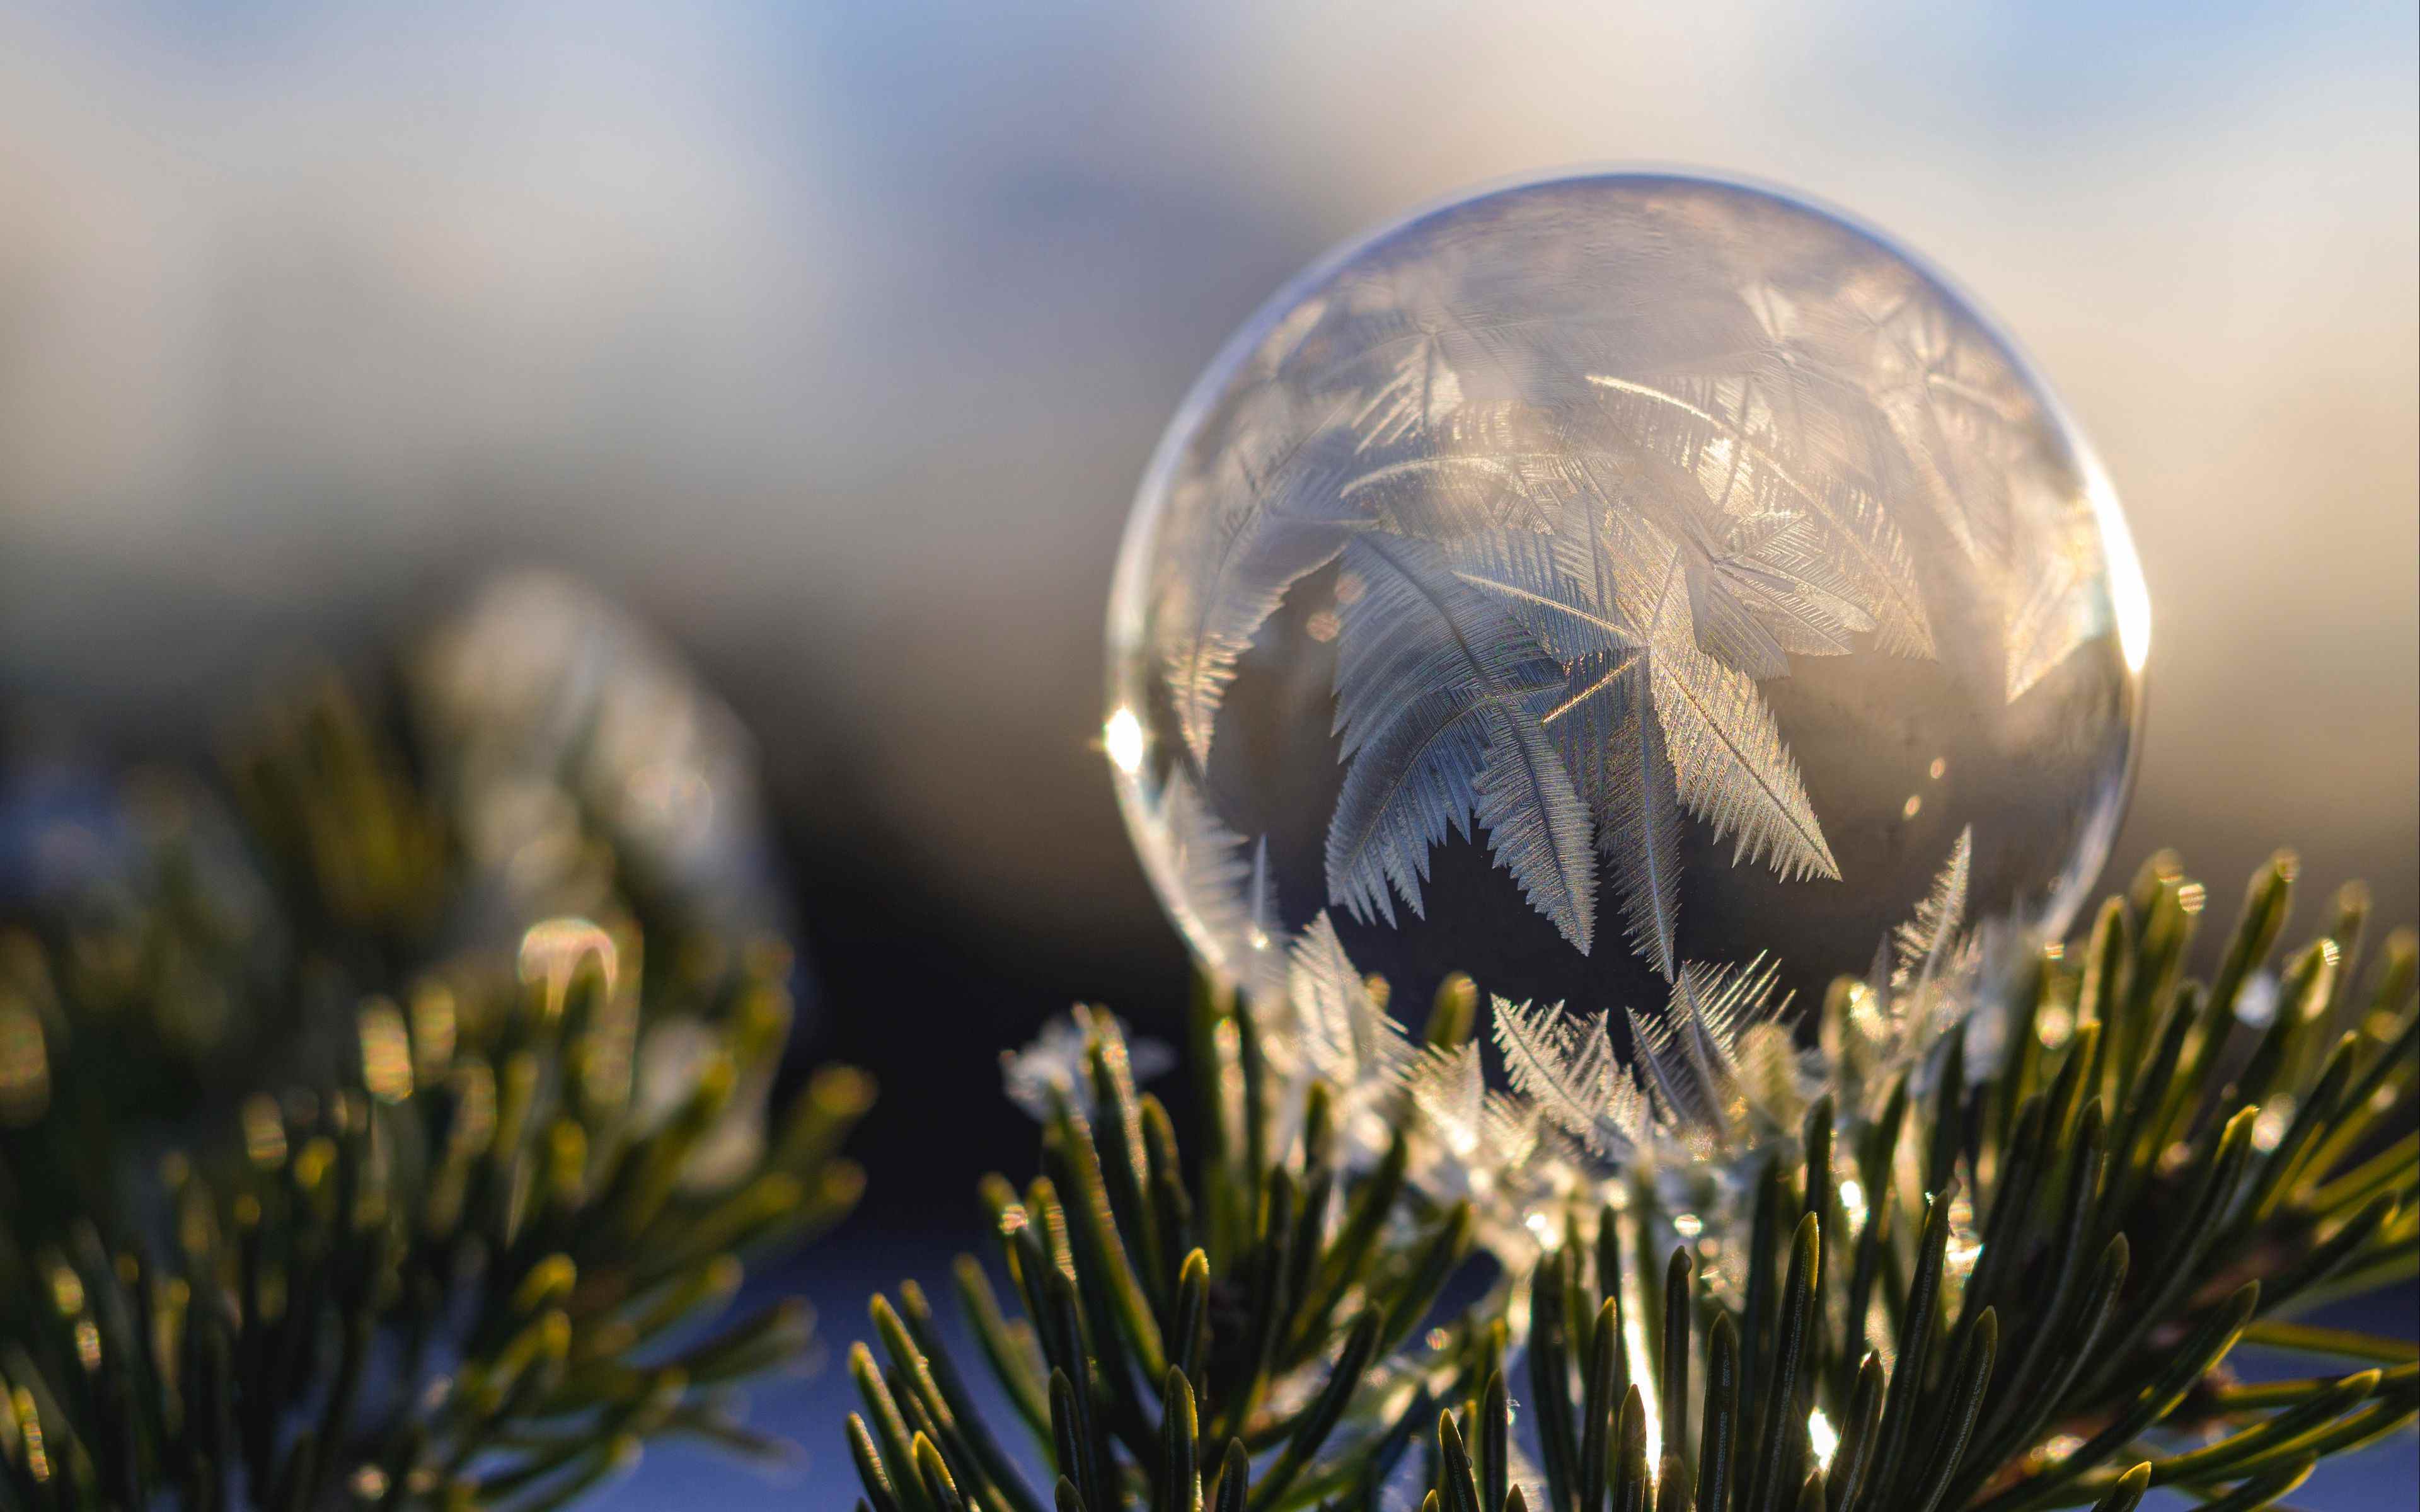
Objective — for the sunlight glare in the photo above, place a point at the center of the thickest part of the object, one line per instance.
(1122, 735)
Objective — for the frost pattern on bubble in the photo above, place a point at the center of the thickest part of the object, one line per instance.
(1695, 558)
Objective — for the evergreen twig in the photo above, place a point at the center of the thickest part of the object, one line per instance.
(1994, 1291)
(416, 1239)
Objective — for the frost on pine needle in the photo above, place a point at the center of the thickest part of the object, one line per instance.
(2003, 1270)
(1710, 1077)
(1055, 1064)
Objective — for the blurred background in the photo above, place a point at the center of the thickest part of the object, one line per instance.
(832, 340)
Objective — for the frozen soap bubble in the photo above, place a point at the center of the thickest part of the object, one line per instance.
(1619, 588)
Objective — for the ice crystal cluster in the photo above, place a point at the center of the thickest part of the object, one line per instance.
(1650, 595)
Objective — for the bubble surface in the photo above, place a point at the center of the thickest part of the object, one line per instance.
(1607, 583)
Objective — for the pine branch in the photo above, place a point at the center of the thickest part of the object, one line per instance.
(2008, 1281)
(1236, 1331)
(2049, 1327)
(437, 1224)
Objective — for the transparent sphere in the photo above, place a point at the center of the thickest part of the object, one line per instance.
(1610, 581)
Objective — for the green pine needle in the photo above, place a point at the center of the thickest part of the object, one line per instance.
(1984, 1292)
(415, 1244)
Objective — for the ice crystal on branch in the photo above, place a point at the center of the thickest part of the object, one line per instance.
(2007, 1279)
